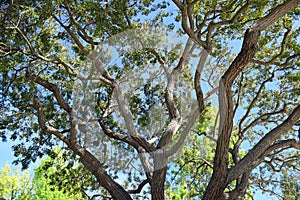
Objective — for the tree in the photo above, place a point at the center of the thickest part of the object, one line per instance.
(290, 186)
(127, 112)
(54, 178)
(14, 185)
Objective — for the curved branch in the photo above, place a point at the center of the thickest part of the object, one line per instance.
(53, 88)
(118, 136)
(185, 26)
(175, 118)
(41, 119)
(125, 113)
(197, 79)
(140, 187)
(192, 118)
(275, 14)
(262, 118)
(73, 36)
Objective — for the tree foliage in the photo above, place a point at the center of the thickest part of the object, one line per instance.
(52, 179)
(126, 94)
(14, 184)
(57, 178)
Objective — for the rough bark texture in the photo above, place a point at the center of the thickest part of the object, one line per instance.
(159, 176)
(158, 184)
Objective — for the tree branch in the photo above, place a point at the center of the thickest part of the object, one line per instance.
(125, 113)
(51, 87)
(253, 101)
(118, 136)
(197, 79)
(41, 119)
(73, 36)
(262, 118)
(175, 118)
(275, 14)
(140, 187)
(192, 118)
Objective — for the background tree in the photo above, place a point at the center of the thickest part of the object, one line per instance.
(290, 186)
(52, 179)
(14, 184)
(57, 178)
(126, 113)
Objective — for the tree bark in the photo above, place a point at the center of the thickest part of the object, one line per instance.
(158, 184)
(159, 176)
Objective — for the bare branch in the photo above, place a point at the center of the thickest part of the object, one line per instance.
(282, 65)
(262, 118)
(175, 118)
(190, 15)
(240, 85)
(241, 188)
(80, 31)
(118, 136)
(73, 36)
(197, 79)
(125, 113)
(185, 26)
(192, 118)
(145, 163)
(179, 4)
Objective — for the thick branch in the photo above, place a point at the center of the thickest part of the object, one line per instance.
(275, 14)
(117, 136)
(125, 113)
(41, 119)
(197, 79)
(184, 23)
(175, 118)
(131, 142)
(93, 164)
(140, 187)
(54, 89)
(192, 118)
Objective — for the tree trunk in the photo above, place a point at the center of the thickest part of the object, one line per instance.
(159, 176)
